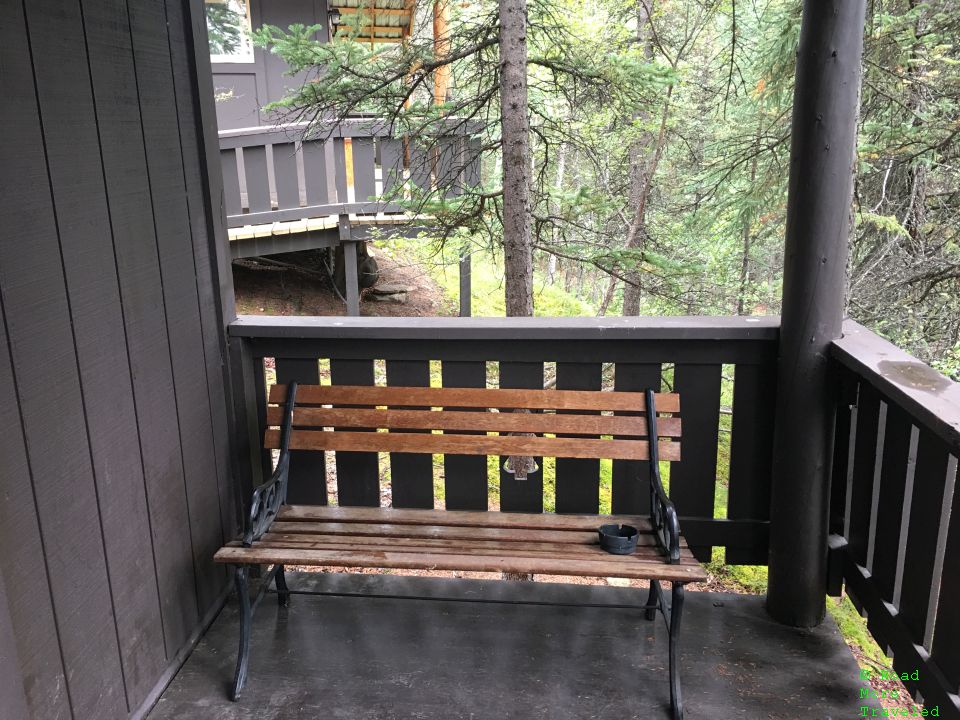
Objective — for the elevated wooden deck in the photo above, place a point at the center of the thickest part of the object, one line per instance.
(287, 189)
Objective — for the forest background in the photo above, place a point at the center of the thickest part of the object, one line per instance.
(658, 150)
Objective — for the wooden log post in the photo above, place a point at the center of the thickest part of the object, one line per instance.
(441, 48)
(822, 160)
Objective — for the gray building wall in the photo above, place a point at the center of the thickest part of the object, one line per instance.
(115, 477)
(244, 88)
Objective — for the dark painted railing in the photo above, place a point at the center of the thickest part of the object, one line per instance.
(895, 511)
(274, 174)
(697, 357)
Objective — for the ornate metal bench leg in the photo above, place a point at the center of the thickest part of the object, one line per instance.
(653, 601)
(676, 610)
(283, 592)
(240, 576)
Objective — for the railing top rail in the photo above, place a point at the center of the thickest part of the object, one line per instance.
(479, 328)
(931, 399)
(350, 127)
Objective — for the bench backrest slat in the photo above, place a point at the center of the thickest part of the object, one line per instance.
(543, 426)
(474, 445)
(503, 422)
(594, 400)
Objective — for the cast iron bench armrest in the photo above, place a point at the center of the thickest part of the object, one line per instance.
(663, 515)
(268, 498)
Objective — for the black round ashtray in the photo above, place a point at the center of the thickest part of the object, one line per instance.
(618, 539)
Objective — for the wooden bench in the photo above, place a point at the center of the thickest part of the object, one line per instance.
(529, 424)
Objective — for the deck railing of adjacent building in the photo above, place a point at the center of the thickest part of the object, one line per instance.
(275, 174)
(895, 512)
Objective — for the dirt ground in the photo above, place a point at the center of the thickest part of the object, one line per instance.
(297, 284)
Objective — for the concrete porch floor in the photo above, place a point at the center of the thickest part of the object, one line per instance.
(451, 654)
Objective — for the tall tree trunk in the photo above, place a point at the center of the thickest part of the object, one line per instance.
(517, 243)
(641, 175)
(608, 296)
(637, 231)
(748, 234)
(558, 187)
(441, 48)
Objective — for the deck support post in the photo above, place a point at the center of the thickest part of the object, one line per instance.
(352, 277)
(465, 283)
(822, 162)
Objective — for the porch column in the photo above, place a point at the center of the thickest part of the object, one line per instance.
(822, 157)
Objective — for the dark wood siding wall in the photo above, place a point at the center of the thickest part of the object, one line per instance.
(244, 88)
(114, 457)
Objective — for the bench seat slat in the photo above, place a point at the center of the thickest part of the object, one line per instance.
(554, 550)
(645, 541)
(636, 568)
(472, 444)
(463, 518)
(475, 398)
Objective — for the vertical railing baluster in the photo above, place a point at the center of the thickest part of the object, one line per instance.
(631, 491)
(411, 474)
(307, 484)
(693, 481)
(521, 495)
(358, 473)
(751, 449)
(578, 479)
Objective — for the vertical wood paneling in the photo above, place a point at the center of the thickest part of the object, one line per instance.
(411, 474)
(358, 473)
(946, 634)
(308, 468)
(471, 172)
(893, 480)
(364, 170)
(847, 395)
(13, 704)
(258, 379)
(693, 480)
(578, 479)
(137, 264)
(231, 181)
(22, 561)
(420, 166)
(340, 169)
(48, 384)
(94, 521)
(631, 478)
(315, 172)
(204, 254)
(258, 183)
(87, 248)
(171, 213)
(285, 175)
(465, 476)
(391, 163)
(450, 165)
(751, 449)
(249, 403)
(929, 484)
(521, 495)
(864, 461)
